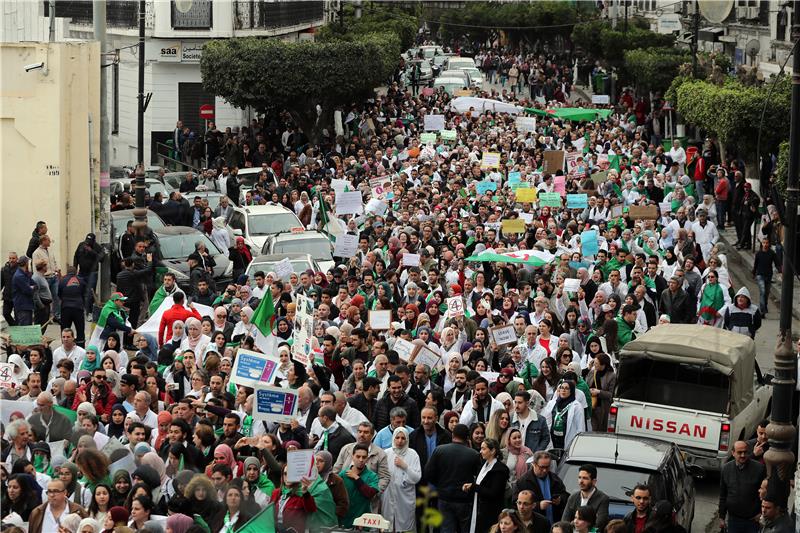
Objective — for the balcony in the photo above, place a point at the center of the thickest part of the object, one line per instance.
(119, 14)
(260, 14)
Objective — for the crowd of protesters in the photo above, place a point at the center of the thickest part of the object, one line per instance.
(161, 431)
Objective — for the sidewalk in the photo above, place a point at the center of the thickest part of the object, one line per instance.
(743, 259)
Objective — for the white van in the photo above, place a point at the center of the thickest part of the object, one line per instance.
(457, 63)
(697, 386)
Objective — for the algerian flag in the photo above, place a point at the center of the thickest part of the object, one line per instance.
(535, 258)
(158, 297)
(263, 522)
(110, 308)
(264, 320)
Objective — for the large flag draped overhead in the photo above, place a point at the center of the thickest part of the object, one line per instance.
(527, 257)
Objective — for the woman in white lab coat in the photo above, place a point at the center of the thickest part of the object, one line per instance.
(564, 415)
(399, 500)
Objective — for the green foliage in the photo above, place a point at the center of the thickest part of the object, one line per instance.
(782, 170)
(653, 69)
(733, 112)
(375, 18)
(586, 35)
(600, 41)
(272, 74)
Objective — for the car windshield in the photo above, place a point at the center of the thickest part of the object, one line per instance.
(156, 186)
(320, 249)
(615, 481)
(271, 224)
(212, 199)
(298, 265)
(182, 246)
(121, 223)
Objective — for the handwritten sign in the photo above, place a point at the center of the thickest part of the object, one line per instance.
(300, 464)
(434, 122)
(589, 245)
(514, 225)
(553, 160)
(426, 356)
(550, 199)
(572, 284)
(455, 306)
(599, 177)
(482, 187)
(283, 268)
(349, 203)
(665, 207)
(560, 185)
(525, 124)
(7, 374)
(529, 195)
(25, 335)
(252, 369)
(577, 201)
(274, 404)
(376, 207)
(643, 212)
(616, 211)
(514, 178)
(490, 160)
(601, 99)
(427, 138)
(410, 260)
(504, 335)
(448, 135)
(380, 320)
(346, 245)
(404, 349)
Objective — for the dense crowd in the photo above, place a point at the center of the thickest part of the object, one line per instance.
(131, 425)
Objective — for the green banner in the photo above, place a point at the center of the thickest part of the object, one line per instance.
(549, 199)
(25, 335)
(427, 138)
(448, 135)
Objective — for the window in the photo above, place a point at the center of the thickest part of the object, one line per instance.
(115, 94)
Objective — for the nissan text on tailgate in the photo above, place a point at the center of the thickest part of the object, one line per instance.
(696, 386)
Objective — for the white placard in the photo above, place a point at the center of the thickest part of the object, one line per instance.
(411, 260)
(491, 377)
(616, 211)
(404, 349)
(434, 122)
(274, 404)
(601, 99)
(665, 207)
(346, 245)
(283, 268)
(455, 306)
(6, 375)
(380, 320)
(504, 335)
(525, 123)
(126, 463)
(9, 406)
(572, 285)
(349, 203)
(57, 448)
(376, 207)
(253, 368)
(339, 186)
(426, 356)
(300, 464)
(527, 217)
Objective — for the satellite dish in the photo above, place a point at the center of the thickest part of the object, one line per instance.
(184, 6)
(752, 48)
(715, 10)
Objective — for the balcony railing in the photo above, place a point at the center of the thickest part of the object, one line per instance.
(257, 14)
(119, 14)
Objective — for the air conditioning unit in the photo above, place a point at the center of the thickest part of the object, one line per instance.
(753, 13)
(741, 12)
(677, 7)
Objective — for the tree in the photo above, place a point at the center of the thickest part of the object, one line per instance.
(653, 69)
(375, 18)
(268, 74)
(600, 41)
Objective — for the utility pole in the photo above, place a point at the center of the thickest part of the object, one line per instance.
(51, 11)
(140, 213)
(695, 36)
(104, 205)
(780, 458)
(626, 16)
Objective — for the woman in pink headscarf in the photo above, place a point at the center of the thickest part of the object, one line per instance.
(224, 455)
(179, 523)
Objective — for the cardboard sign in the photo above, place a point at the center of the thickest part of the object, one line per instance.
(25, 335)
(553, 160)
(274, 404)
(490, 160)
(504, 335)
(482, 187)
(643, 212)
(349, 203)
(434, 122)
(455, 306)
(426, 356)
(300, 464)
(514, 225)
(346, 245)
(427, 138)
(252, 369)
(411, 260)
(525, 124)
(599, 177)
(550, 199)
(380, 320)
(577, 201)
(404, 349)
(529, 195)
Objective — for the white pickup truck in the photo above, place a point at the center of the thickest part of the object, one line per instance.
(696, 386)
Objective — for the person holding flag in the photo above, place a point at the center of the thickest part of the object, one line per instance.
(113, 318)
(168, 288)
(264, 320)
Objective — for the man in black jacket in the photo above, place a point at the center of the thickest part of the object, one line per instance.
(367, 401)
(395, 397)
(130, 282)
(449, 468)
(588, 492)
(551, 501)
(334, 437)
(427, 437)
(33, 244)
(675, 302)
(86, 260)
(6, 275)
(643, 509)
(739, 482)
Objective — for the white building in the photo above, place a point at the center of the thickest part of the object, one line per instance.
(176, 31)
(742, 23)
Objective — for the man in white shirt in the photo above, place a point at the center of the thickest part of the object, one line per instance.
(530, 349)
(141, 406)
(350, 416)
(329, 399)
(614, 285)
(678, 154)
(47, 517)
(261, 287)
(482, 405)
(705, 232)
(67, 350)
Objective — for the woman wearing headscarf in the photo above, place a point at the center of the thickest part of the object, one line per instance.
(601, 380)
(710, 301)
(195, 340)
(68, 473)
(283, 329)
(564, 415)
(178, 337)
(117, 517)
(179, 523)
(224, 455)
(244, 328)
(518, 455)
(398, 503)
(120, 486)
(293, 503)
(21, 370)
(219, 235)
(334, 483)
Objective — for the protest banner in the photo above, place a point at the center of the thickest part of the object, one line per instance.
(482, 187)
(404, 349)
(346, 245)
(513, 225)
(7, 375)
(643, 212)
(349, 203)
(25, 335)
(427, 138)
(274, 404)
(380, 320)
(560, 185)
(504, 335)
(300, 464)
(455, 306)
(589, 245)
(529, 195)
(577, 201)
(553, 160)
(490, 160)
(411, 260)
(426, 356)
(549, 199)
(525, 124)
(448, 135)
(599, 177)
(434, 122)
(252, 368)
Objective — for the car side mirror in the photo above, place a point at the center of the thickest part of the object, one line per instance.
(697, 472)
(237, 232)
(768, 379)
